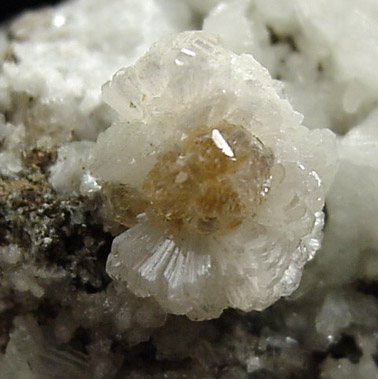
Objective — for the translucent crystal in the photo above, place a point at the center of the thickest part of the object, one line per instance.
(209, 182)
(223, 185)
(123, 203)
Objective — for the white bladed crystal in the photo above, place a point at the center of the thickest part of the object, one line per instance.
(225, 193)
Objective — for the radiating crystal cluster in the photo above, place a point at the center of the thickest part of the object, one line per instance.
(209, 168)
(224, 186)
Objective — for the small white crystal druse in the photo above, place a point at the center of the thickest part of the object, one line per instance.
(221, 186)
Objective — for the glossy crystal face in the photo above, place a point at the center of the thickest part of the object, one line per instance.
(122, 203)
(209, 182)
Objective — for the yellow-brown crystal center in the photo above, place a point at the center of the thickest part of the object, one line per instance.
(210, 182)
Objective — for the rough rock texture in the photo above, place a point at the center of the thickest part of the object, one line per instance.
(61, 315)
(58, 60)
(310, 47)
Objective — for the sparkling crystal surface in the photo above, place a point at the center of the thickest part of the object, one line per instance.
(72, 208)
(235, 184)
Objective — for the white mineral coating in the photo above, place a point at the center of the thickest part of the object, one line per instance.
(62, 55)
(189, 80)
(314, 54)
(350, 247)
(53, 62)
(67, 174)
(332, 43)
(333, 37)
(247, 26)
(203, 6)
(221, 20)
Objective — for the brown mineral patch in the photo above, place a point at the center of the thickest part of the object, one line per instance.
(210, 182)
(28, 189)
(122, 203)
(213, 180)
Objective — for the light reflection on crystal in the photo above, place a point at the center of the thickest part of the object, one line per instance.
(59, 20)
(221, 143)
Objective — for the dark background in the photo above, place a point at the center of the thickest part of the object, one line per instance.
(10, 8)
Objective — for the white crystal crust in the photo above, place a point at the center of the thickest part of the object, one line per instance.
(184, 81)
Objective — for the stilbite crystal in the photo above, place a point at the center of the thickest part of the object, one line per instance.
(234, 185)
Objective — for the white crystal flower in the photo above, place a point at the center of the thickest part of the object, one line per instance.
(220, 184)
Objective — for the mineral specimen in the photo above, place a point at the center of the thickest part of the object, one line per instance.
(61, 315)
(225, 185)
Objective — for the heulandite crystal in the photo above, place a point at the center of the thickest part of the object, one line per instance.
(209, 182)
